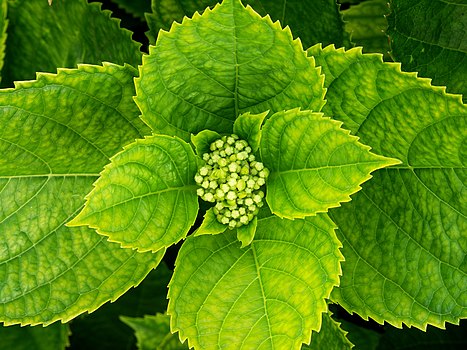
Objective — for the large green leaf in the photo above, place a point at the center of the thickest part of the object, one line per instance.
(205, 73)
(367, 24)
(53, 337)
(315, 165)
(430, 37)
(153, 332)
(43, 37)
(146, 197)
(104, 330)
(57, 133)
(329, 337)
(3, 28)
(316, 21)
(269, 295)
(404, 232)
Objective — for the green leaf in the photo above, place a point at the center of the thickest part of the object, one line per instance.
(146, 197)
(248, 127)
(367, 24)
(3, 29)
(104, 330)
(216, 284)
(329, 337)
(429, 37)
(43, 37)
(53, 337)
(229, 61)
(315, 165)
(404, 232)
(363, 338)
(203, 140)
(210, 225)
(153, 332)
(245, 234)
(52, 151)
(316, 21)
(137, 8)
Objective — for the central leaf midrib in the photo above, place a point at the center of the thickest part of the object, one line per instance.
(253, 250)
(48, 175)
(236, 61)
(169, 189)
(280, 172)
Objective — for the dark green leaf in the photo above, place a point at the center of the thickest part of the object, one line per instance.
(430, 37)
(42, 38)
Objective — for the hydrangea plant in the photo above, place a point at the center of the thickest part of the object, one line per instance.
(258, 155)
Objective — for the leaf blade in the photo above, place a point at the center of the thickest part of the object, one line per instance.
(314, 164)
(221, 72)
(422, 209)
(215, 269)
(53, 148)
(142, 190)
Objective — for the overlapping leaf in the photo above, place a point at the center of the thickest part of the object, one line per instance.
(3, 28)
(430, 37)
(367, 24)
(53, 337)
(146, 197)
(314, 164)
(56, 135)
(153, 332)
(136, 7)
(313, 22)
(212, 68)
(269, 295)
(329, 337)
(104, 330)
(43, 38)
(404, 232)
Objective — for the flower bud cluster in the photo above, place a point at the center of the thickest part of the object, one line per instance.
(232, 178)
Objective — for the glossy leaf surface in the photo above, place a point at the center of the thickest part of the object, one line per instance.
(224, 296)
(404, 232)
(53, 149)
(146, 197)
(314, 163)
(206, 72)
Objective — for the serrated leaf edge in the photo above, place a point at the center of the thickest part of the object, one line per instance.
(397, 66)
(106, 167)
(307, 333)
(391, 162)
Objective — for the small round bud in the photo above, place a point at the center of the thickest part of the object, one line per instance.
(231, 178)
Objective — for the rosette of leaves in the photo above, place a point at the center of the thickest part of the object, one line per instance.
(265, 286)
(146, 198)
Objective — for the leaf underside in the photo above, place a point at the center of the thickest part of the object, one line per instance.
(53, 149)
(42, 38)
(330, 337)
(269, 295)
(430, 37)
(206, 72)
(404, 232)
(146, 197)
(314, 163)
